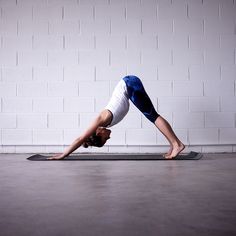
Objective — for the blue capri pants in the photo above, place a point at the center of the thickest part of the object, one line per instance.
(139, 97)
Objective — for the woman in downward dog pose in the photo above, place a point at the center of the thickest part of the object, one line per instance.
(129, 88)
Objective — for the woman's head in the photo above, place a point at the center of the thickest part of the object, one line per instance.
(99, 138)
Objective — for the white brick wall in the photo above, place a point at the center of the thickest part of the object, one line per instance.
(14, 74)
(60, 60)
(47, 137)
(63, 120)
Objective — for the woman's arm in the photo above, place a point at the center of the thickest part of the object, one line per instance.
(103, 119)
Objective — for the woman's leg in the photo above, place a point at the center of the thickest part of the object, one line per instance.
(176, 146)
(141, 100)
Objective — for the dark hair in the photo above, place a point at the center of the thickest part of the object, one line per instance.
(93, 140)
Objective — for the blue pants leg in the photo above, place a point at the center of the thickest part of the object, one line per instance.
(139, 97)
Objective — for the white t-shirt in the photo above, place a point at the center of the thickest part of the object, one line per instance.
(119, 103)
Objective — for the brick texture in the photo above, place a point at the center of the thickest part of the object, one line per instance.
(60, 60)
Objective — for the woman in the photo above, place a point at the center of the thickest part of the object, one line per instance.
(129, 88)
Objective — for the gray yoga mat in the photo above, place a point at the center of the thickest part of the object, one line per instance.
(117, 157)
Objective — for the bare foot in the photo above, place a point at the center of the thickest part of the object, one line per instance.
(176, 150)
(169, 152)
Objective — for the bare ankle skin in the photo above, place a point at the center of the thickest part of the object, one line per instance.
(169, 152)
(177, 149)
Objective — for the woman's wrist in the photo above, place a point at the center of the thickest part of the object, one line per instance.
(65, 155)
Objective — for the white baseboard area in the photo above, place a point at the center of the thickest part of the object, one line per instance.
(116, 149)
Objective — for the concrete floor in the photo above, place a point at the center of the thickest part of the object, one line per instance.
(128, 198)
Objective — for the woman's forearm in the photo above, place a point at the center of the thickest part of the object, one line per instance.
(76, 144)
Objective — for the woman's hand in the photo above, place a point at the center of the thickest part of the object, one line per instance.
(57, 157)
